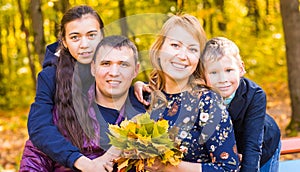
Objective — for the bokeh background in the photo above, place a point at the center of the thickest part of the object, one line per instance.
(27, 26)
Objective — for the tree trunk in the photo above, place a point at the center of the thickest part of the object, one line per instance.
(2, 84)
(26, 31)
(253, 13)
(267, 7)
(38, 28)
(60, 6)
(291, 25)
(221, 23)
(123, 21)
(208, 23)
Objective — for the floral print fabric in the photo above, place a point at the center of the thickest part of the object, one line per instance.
(204, 129)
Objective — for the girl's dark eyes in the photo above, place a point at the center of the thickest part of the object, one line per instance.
(90, 36)
(74, 38)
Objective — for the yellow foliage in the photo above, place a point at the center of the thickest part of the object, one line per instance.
(143, 140)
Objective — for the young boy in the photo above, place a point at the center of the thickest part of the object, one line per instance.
(257, 134)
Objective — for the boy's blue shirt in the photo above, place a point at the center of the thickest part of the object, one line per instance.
(250, 120)
(228, 100)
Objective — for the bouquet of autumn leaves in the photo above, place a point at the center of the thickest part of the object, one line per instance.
(142, 140)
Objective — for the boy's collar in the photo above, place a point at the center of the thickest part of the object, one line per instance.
(229, 99)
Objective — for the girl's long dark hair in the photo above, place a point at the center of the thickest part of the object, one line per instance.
(68, 123)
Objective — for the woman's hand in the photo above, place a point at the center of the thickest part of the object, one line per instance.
(182, 166)
(140, 88)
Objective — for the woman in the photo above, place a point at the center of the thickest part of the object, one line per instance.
(180, 96)
(80, 33)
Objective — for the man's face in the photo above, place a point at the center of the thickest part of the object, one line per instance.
(114, 69)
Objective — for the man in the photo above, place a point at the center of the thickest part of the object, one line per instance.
(114, 67)
(109, 101)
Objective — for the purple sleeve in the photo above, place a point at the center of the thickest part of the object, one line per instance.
(35, 160)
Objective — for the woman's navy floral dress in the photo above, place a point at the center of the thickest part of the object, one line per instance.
(204, 129)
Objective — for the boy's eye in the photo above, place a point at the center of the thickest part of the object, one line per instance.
(229, 70)
(212, 72)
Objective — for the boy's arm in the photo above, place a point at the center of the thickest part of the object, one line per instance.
(253, 131)
(42, 131)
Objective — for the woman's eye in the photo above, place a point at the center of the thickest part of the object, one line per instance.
(174, 45)
(193, 50)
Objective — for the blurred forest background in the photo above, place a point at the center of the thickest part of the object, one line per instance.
(263, 30)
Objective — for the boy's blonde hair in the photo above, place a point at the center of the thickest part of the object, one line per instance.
(218, 47)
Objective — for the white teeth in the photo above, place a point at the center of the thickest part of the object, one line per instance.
(180, 66)
(113, 82)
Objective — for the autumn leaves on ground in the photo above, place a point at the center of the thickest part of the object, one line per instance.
(13, 131)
